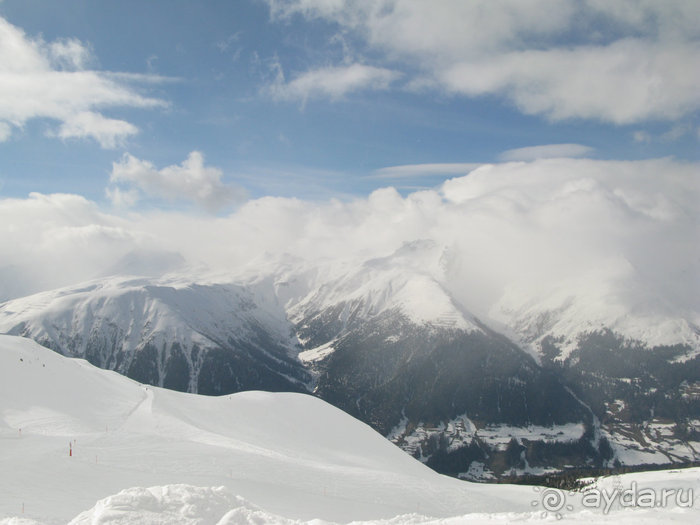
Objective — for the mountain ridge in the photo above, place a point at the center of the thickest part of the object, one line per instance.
(387, 341)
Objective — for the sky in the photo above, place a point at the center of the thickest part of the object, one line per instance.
(223, 131)
(322, 98)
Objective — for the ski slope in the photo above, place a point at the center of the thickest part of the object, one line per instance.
(82, 445)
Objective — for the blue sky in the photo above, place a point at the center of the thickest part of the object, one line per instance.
(315, 99)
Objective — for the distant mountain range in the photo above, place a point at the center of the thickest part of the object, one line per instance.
(538, 386)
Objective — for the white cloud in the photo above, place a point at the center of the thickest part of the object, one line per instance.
(69, 54)
(190, 181)
(108, 132)
(58, 240)
(122, 198)
(332, 82)
(621, 62)
(605, 232)
(49, 80)
(547, 151)
(625, 82)
(423, 170)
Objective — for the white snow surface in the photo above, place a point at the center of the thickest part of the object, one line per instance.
(82, 445)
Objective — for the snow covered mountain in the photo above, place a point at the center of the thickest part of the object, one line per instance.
(408, 282)
(388, 341)
(210, 338)
(567, 314)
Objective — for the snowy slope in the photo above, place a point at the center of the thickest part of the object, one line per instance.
(615, 499)
(291, 454)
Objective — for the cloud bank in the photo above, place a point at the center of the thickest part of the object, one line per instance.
(620, 62)
(57, 240)
(40, 80)
(549, 230)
